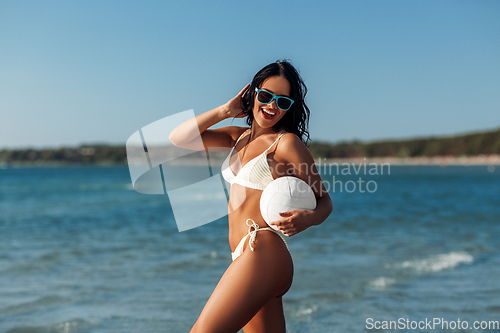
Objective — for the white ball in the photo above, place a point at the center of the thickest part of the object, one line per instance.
(285, 194)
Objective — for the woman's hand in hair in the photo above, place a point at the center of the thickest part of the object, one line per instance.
(233, 108)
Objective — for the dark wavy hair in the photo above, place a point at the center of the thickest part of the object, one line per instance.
(296, 119)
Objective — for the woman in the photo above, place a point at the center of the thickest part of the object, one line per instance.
(249, 294)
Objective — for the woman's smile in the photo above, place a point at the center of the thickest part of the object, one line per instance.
(267, 113)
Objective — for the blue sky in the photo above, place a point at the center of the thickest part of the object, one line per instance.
(83, 72)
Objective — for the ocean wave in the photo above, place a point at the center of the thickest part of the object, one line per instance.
(72, 325)
(40, 303)
(382, 282)
(306, 311)
(437, 263)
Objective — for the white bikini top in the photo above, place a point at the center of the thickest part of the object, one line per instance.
(254, 174)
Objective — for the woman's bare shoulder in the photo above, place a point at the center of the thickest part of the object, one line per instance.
(292, 149)
(292, 141)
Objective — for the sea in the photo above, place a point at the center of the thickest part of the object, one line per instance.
(406, 248)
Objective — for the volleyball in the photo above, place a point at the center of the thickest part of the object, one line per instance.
(285, 194)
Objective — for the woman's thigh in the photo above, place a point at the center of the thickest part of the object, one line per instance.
(270, 318)
(253, 281)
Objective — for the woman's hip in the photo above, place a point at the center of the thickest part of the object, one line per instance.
(269, 237)
(270, 259)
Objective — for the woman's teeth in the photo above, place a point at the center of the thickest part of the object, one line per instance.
(268, 113)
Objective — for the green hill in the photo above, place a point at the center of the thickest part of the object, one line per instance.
(468, 144)
(487, 142)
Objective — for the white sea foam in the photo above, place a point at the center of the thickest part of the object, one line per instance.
(438, 262)
(382, 283)
(306, 311)
(72, 325)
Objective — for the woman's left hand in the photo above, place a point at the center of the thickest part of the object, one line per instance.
(294, 222)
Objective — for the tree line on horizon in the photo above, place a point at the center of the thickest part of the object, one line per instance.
(487, 142)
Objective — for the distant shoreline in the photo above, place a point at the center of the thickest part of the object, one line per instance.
(421, 160)
(399, 161)
(480, 148)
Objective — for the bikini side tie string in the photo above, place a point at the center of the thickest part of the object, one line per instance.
(253, 233)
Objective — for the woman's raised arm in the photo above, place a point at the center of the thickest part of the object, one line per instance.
(187, 135)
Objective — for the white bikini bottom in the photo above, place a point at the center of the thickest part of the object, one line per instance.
(252, 234)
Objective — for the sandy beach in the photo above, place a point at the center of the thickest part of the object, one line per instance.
(215, 159)
(492, 159)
